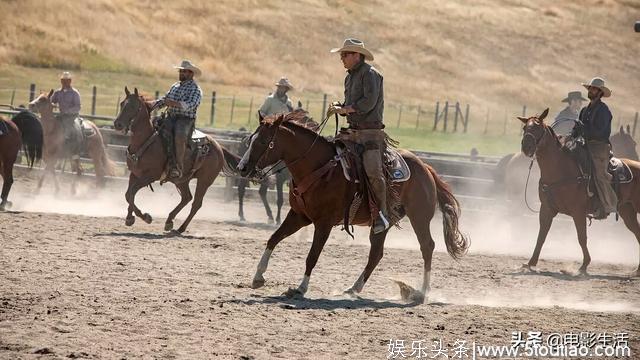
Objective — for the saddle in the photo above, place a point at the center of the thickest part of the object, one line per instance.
(620, 171)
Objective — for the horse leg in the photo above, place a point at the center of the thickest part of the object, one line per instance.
(264, 186)
(49, 169)
(292, 223)
(6, 166)
(242, 186)
(545, 219)
(185, 197)
(375, 255)
(320, 236)
(630, 217)
(279, 197)
(201, 188)
(581, 228)
(135, 184)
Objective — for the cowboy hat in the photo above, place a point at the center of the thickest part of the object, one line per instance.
(187, 65)
(65, 75)
(284, 82)
(574, 95)
(597, 82)
(354, 45)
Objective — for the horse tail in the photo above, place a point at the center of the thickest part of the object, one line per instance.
(500, 171)
(32, 135)
(456, 242)
(231, 161)
(104, 165)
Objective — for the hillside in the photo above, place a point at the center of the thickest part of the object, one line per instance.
(489, 53)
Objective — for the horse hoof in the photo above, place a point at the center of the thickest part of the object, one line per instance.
(410, 294)
(270, 221)
(181, 229)
(129, 220)
(636, 273)
(147, 218)
(529, 268)
(168, 226)
(257, 282)
(292, 293)
(350, 292)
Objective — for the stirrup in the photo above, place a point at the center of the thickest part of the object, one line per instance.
(175, 173)
(380, 224)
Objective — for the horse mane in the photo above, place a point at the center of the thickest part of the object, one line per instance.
(298, 117)
(555, 136)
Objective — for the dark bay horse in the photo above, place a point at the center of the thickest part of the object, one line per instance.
(565, 193)
(54, 145)
(147, 159)
(23, 130)
(308, 154)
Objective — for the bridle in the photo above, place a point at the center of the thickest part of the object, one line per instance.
(536, 141)
(131, 123)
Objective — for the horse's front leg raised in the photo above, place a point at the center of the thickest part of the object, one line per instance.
(135, 184)
(292, 223)
(320, 236)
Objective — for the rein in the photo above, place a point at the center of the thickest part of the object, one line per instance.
(135, 157)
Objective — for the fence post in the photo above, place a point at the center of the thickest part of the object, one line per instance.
(250, 111)
(233, 107)
(93, 100)
(399, 117)
(486, 123)
(13, 96)
(504, 127)
(118, 105)
(446, 115)
(466, 119)
(418, 118)
(32, 92)
(307, 107)
(213, 108)
(455, 123)
(435, 118)
(635, 123)
(324, 106)
(524, 110)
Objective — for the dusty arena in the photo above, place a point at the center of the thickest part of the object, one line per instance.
(77, 283)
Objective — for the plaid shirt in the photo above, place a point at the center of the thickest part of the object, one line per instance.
(188, 94)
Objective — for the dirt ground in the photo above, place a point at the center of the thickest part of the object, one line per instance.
(74, 286)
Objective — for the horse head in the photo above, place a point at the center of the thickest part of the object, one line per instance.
(623, 144)
(263, 150)
(130, 108)
(42, 103)
(534, 131)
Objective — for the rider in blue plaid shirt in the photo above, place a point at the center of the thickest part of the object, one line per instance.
(182, 101)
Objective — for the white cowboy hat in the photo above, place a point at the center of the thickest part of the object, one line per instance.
(354, 45)
(597, 82)
(284, 82)
(65, 75)
(187, 65)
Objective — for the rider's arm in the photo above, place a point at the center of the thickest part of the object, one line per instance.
(75, 107)
(191, 100)
(371, 84)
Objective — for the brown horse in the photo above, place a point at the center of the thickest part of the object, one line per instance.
(146, 159)
(562, 190)
(25, 130)
(307, 154)
(54, 145)
(513, 169)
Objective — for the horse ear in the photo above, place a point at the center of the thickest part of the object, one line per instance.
(126, 91)
(299, 104)
(260, 117)
(628, 129)
(135, 91)
(543, 115)
(523, 119)
(50, 94)
(279, 120)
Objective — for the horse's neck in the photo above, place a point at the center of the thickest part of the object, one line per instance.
(554, 163)
(316, 153)
(48, 121)
(142, 130)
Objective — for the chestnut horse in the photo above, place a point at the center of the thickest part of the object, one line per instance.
(54, 145)
(566, 193)
(146, 159)
(25, 130)
(308, 155)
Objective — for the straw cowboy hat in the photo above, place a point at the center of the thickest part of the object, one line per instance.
(284, 82)
(187, 65)
(574, 95)
(598, 83)
(65, 75)
(354, 45)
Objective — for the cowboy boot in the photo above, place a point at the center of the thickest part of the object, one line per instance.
(381, 222)
(180, 148)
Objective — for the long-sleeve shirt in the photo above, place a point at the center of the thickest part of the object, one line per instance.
(363, 90)
(274, 104)
(596, 118)
(68, 100)
(188, 94)
(565, 121)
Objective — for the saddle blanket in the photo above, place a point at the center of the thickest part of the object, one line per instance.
(396, 165)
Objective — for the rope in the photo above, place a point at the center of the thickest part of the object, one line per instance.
(526, 187)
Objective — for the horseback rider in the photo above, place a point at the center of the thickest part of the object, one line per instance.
(363, 106)
(68, 100)
(278, 102)
(565, 120)
(182, 101)
(596, 121)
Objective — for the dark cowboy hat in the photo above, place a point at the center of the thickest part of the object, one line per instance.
(574, 95)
